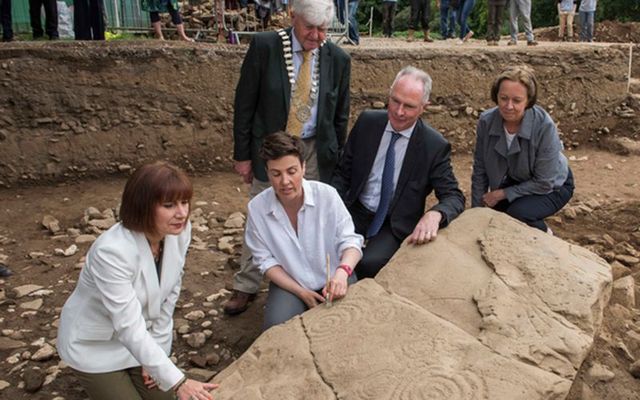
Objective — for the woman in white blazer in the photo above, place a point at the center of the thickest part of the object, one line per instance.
(116, 327)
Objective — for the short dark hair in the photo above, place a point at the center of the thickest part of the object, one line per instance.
(522, 74)
(280, 144)
(150, 185)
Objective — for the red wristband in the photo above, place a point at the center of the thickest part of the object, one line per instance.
(346, 268)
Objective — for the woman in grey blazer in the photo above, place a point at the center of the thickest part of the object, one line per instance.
(116, 327)
(518, 165)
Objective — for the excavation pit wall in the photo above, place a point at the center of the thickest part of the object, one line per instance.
(71, 109)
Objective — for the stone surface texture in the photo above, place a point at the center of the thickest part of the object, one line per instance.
(492, 309)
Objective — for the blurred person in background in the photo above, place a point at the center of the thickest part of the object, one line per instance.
(465, 9)
(495, 9)
(521, 8)
(587, 12)
(155, 7)
(88, 19)
(420, 15)
(388, 13)
(51, 18)
(566, 12)
(6, 21)
(448, 15)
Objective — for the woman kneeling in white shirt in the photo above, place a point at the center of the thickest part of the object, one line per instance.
(291, 228)
(116, 327)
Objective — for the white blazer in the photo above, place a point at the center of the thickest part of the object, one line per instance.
(119, 315)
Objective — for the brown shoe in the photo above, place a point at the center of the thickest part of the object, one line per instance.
(238, 303)
(532, 43)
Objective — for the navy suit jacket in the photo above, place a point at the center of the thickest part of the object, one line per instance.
(426, 168)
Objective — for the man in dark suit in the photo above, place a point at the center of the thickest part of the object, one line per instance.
(295, 81)
(392, 161)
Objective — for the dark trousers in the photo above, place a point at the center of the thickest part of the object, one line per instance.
(420, 13)
(447, 19)
(88, 19)
(5, 19)
(388, 12)
(379, 249)
(51, 18)
(494, 22)
(533, 209)
(176, 18)
(465, 9)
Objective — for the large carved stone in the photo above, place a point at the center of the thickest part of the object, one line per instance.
(492, 309)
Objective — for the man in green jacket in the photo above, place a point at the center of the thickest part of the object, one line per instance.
(290, 80)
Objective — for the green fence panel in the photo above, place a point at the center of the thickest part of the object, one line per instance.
(124, 14)
(20, 15)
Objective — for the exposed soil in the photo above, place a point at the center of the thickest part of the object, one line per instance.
(72, 111)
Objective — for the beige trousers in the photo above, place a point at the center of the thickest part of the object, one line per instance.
(566, 20)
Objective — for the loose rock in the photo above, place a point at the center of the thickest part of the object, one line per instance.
(599, 372)
(23, 290)
(51, 223)
(634, 369)
(225, 244)
(45, 353)
(196, 340)
(623, 292)
(32, 305)
(68, 252)
(85, 239)
(33, 379)
(235, 220)
(195, 315)
(628, 260)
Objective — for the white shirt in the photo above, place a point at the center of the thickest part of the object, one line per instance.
(370, 196)
(509, 136)
(309, 128)
(324, 226)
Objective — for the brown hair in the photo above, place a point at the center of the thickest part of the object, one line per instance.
(280, 144)
(150, 185)
(522, 74)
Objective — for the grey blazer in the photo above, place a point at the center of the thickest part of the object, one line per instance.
(534, 160)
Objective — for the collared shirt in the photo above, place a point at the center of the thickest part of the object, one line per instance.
(324, 227)
(309, 128)
(370, 196)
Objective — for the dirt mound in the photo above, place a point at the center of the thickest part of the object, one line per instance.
(605, 31)
(72, 110)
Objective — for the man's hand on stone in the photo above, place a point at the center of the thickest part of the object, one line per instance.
(427, 228)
